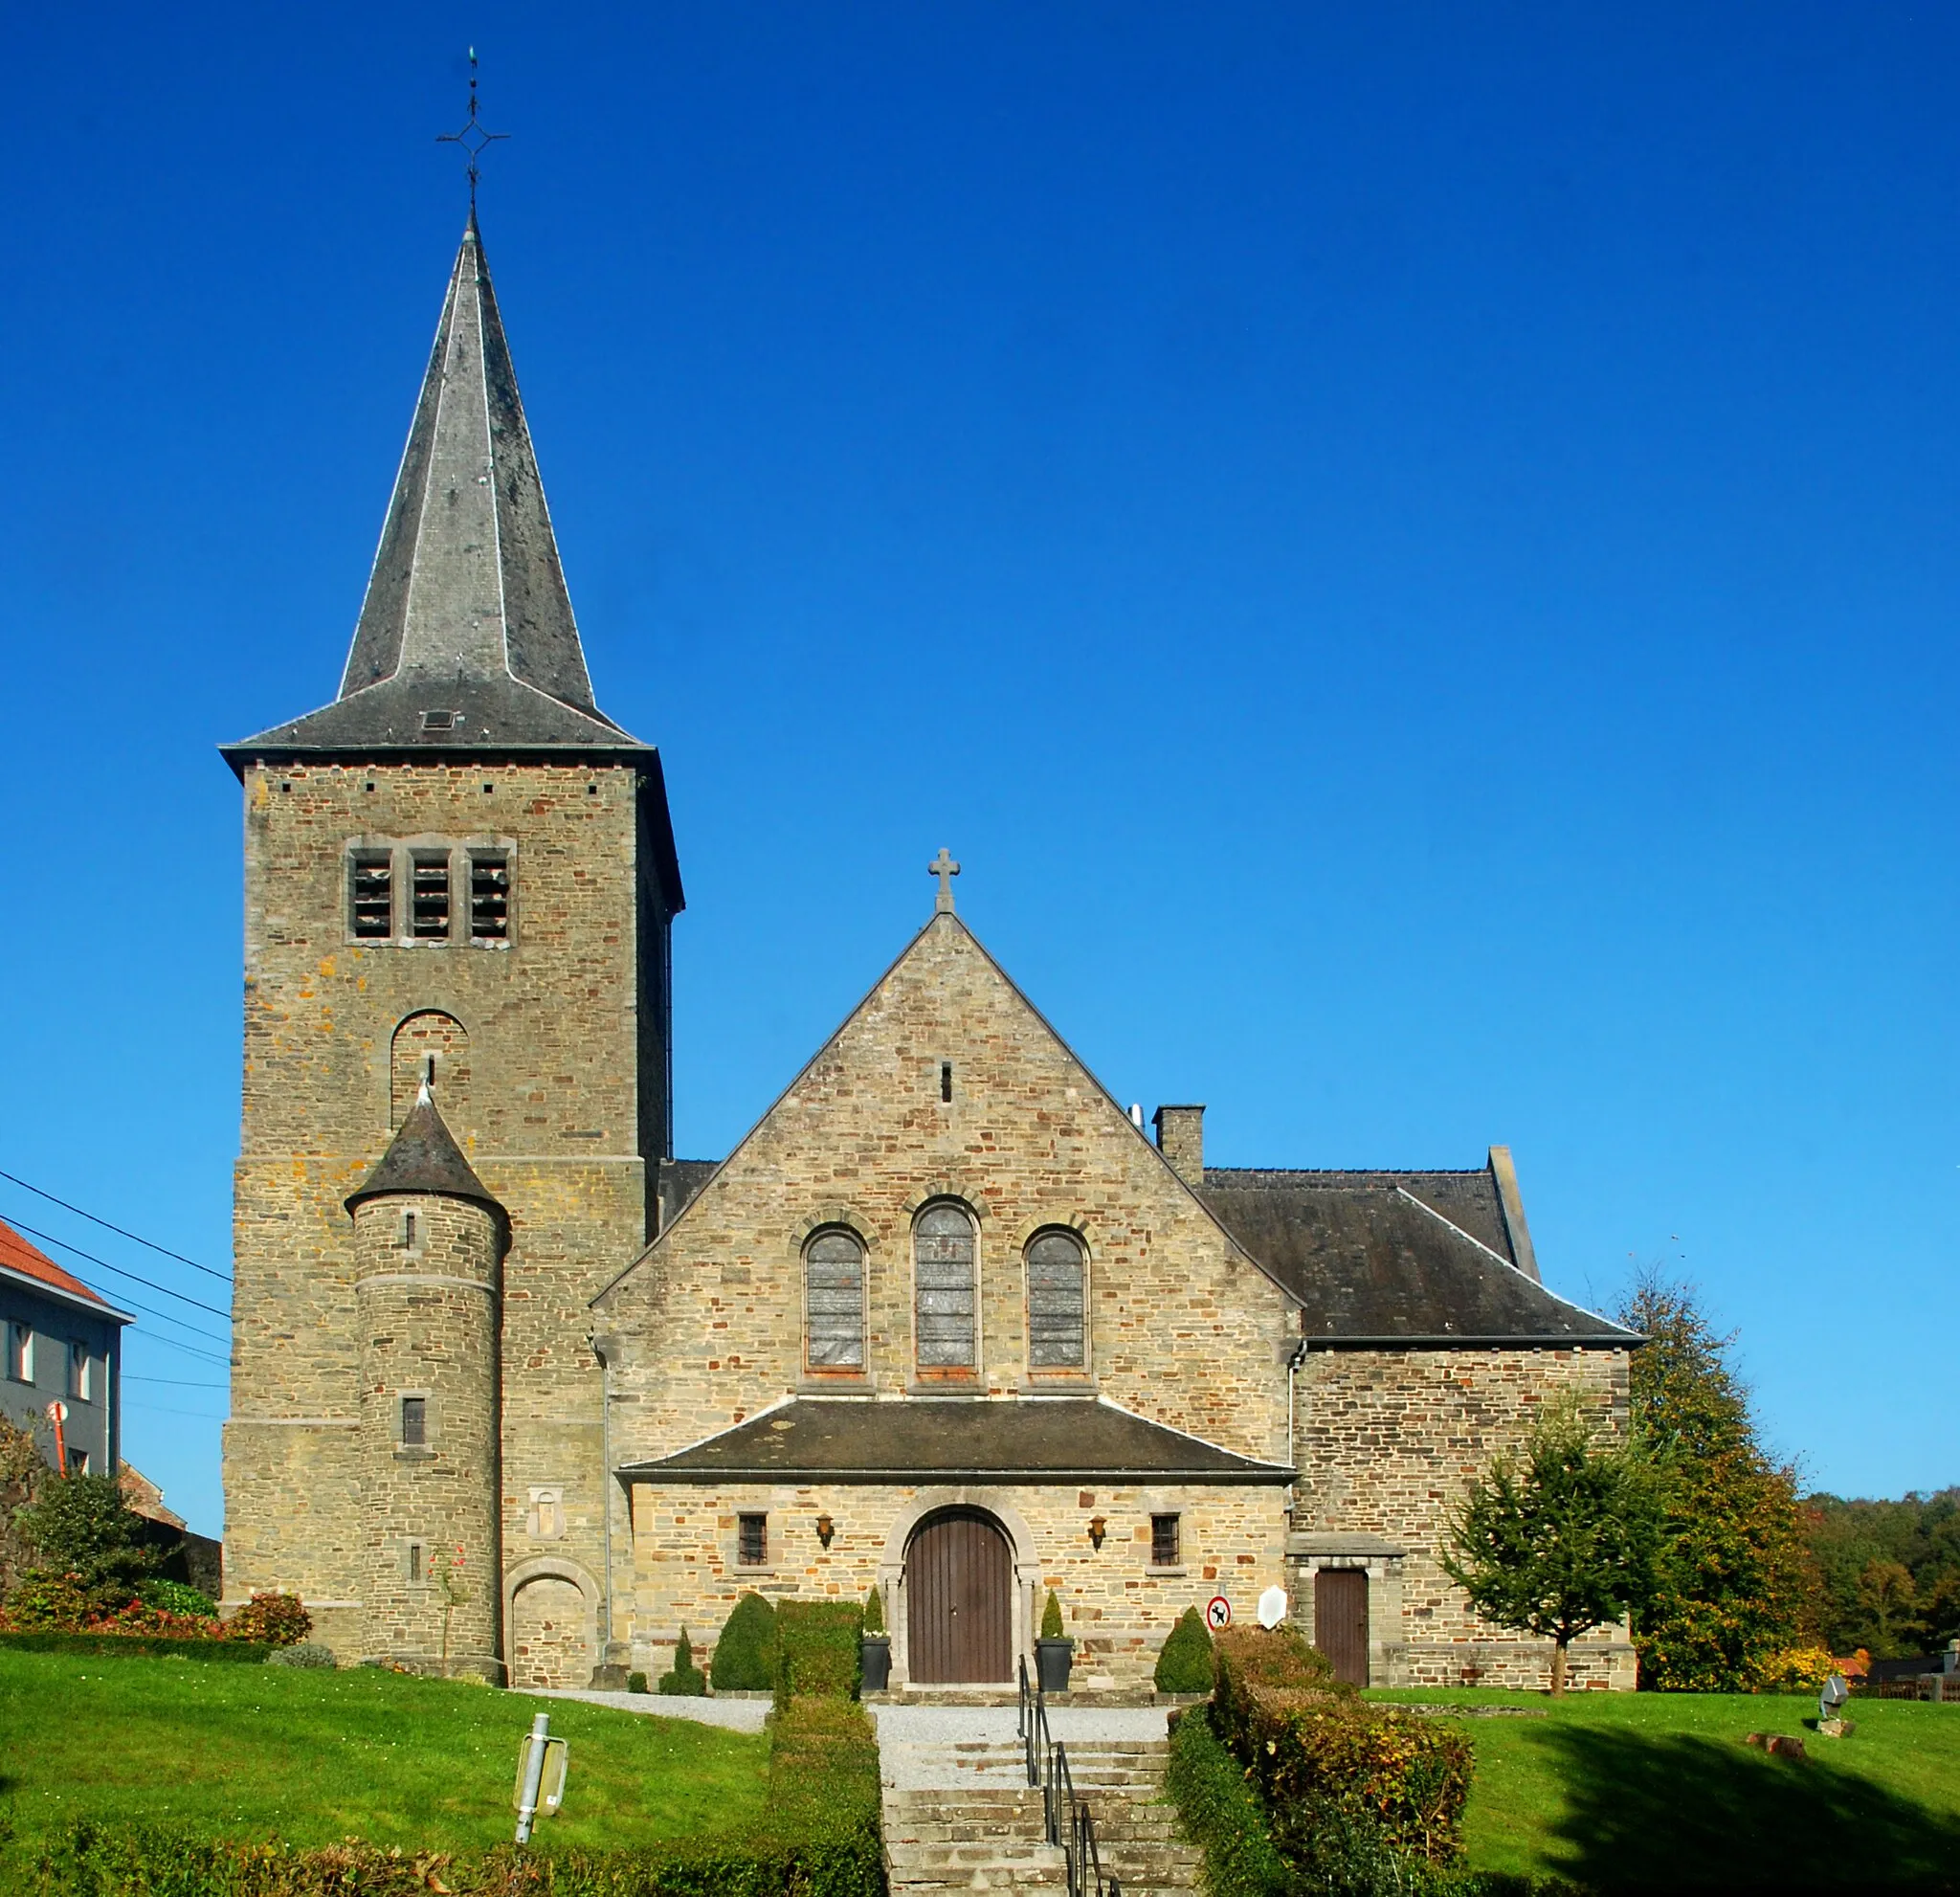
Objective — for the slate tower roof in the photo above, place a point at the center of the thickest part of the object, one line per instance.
(466, 642)
(424, 1157)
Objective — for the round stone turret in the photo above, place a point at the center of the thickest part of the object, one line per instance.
(428, 1246)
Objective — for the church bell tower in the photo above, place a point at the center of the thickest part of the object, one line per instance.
(460, 884)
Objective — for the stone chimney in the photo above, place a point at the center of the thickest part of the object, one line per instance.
(1181, 1140)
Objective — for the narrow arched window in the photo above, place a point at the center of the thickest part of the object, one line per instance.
(1055, 1302)
(834, 1301)
(942, 1259)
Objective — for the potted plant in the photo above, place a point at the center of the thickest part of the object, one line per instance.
(1053, 1653)
(875, 1650)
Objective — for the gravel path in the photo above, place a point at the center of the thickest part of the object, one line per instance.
(737, 1715)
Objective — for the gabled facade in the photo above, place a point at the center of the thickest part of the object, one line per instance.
(518, 1391)
(63, 1343)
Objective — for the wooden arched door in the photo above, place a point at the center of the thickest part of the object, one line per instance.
(959, 1590)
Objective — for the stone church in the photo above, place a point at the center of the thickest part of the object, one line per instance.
(517, 1391)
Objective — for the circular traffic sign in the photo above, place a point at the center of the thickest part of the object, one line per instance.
(1218, 1613)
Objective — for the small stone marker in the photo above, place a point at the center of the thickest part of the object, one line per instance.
(1783, 1746)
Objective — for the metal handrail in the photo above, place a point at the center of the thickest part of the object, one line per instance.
(1065, 1817)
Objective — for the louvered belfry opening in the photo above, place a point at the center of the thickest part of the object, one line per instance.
(489, 896)
(429, 920)
(373, 896)
(959, 1586)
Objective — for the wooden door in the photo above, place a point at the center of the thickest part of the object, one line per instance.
(1340, 1620)
(958, 1584)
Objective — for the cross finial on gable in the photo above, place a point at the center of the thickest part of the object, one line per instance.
(946, 869)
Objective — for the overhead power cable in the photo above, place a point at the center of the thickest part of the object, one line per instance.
(148, 1284)
(223, 1277)
(182, 1382)
(189, 1350)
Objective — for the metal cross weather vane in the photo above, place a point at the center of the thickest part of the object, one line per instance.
(472, 138)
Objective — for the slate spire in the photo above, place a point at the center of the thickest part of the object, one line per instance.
(467, 579)
(423, 1157)
(466, 641)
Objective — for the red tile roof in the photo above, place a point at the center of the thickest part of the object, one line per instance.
(17, 1254)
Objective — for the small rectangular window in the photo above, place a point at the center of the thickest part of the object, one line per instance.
(945, 1080)
(80, 1379)
(372, 895)
(77, 1461)
(412, 1562)
(414, 1422)
(1164, 1541)
(752, 1547)
(20, 1351)
(489, 896)
(430, 917)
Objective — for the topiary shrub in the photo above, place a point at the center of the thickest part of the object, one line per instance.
(744, 1660)
(1185, 1664)
(275, 1619)
(686, 1682)
(635, 1682)
(1051, 1619)
(303, 1653)
(874, 1612)
(176, 1597)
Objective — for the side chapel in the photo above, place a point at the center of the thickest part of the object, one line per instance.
(517, 1391)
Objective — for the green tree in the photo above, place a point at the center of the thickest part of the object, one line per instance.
(23, 1469)
(1559, 1538)
(1886, 1594)
(84, 1526)
(1737, 1584)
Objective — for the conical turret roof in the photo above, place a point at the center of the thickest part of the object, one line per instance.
(424, 1157)
(466, 641)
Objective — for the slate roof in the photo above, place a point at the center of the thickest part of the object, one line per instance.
(466, 614)
(946, 1439)
(1396, 1257)
(28, 1260)
(424, 1157)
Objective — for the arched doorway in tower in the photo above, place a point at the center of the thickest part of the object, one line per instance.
(960, 1595)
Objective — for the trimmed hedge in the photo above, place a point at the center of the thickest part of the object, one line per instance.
(686, 1682)
(818, 1650)
(1185, 1664)
(148, 1646)
(1219, 1812)
(1323, 1760)
(745, 1658)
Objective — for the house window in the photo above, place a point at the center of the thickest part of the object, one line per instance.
(834, 1301)
(429, 905)
(1166, 1549)
(1055, 1302)
(942, 1258)
(489, 896)
(20, 1351)
(81, 1382)
(370, 895)
(77, 1461)
(414, 1422)
(752, 1540)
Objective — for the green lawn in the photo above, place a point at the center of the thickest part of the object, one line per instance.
(1647, 1790)
(313, 1758)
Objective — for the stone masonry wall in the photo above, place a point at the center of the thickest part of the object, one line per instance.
(428, 1306)
(1388, 1444)
(550, 1118)
(1118, 1608)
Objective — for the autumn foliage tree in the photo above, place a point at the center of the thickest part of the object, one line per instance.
(1559, 1537)
(1735, 1582)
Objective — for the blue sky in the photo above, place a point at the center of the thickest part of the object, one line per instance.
(1409, 550)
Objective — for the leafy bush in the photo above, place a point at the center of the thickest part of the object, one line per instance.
(818, 1650)
(274, 1619)
(82, 1526)
(45, 1603)
(637, 1682)
(745, 1658)
(1219, 1812)
(1051, 1619)
(1311, 1745)
(874, 1612)
(687, 1681)
(199, 1645)
(303, 1653)
(1796, 1669)
(1185, 1664)
(176, 1597)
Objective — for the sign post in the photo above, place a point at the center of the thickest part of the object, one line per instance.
(1218, 1613)
(541, 1765)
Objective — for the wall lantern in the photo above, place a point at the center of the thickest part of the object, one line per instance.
(825, 1530)
(1098, 1527)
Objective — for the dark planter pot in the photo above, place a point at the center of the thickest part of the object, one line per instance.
(1052, 1660)
(875, 1656)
